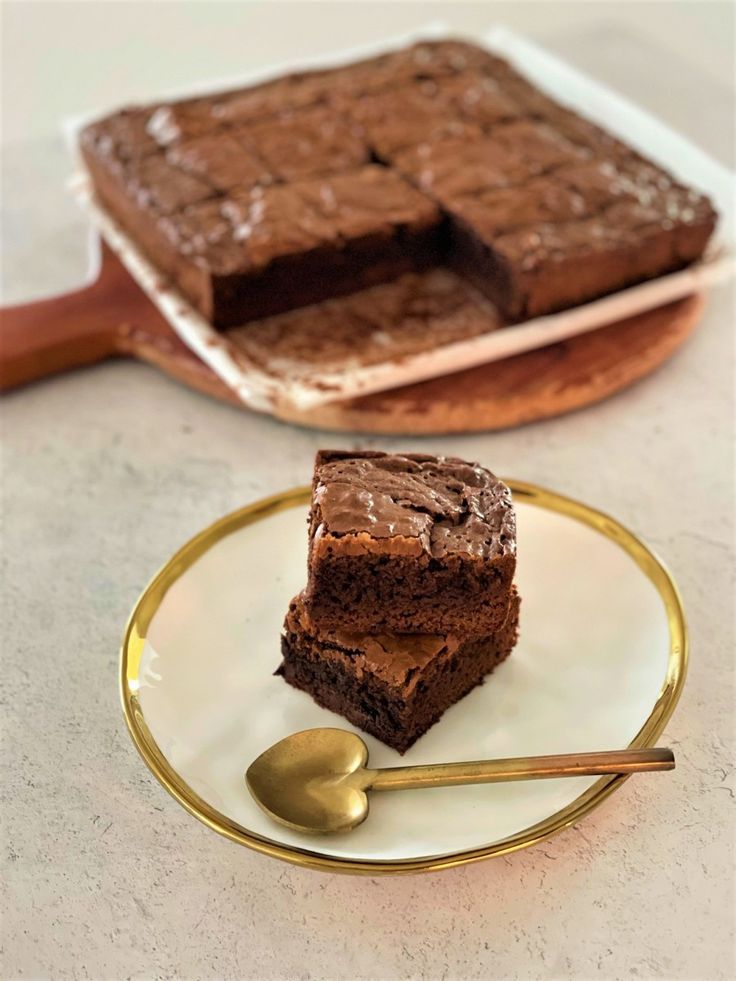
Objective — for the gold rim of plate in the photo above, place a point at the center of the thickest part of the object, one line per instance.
(150, 600)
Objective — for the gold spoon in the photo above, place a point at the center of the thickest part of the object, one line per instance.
(317, 780)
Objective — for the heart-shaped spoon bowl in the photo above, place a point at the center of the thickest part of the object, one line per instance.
(313, 781)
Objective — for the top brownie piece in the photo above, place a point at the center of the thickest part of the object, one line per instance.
(409, 543)
(457, 133)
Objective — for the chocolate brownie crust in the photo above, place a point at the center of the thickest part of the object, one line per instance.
(394, 687)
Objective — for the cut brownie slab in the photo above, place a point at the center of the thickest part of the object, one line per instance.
(407, 543)
(394, 687)
(258, 200)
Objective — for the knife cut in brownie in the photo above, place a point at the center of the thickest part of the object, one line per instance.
(394, 687)
(408, 543)
(271, 197)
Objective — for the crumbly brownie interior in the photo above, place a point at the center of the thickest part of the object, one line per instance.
(272, 197)
(409, 543)
(394, 687)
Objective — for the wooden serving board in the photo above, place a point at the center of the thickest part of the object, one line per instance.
(113, 317)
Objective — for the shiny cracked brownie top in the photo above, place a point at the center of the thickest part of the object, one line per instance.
(442, 504)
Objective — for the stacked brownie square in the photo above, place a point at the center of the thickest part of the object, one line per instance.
(260, 200)
(410, 600)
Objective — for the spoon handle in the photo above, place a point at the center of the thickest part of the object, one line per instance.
(522, 768)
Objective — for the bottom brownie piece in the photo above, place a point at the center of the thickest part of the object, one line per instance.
(393, 686)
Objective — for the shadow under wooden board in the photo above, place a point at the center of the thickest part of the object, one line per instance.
(113, 317)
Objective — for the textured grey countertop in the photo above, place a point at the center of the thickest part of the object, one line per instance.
(106, 471)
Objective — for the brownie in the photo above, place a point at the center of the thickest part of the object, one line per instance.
(590, 138)
(123, 136)
(307, 143)
(393, 686)
(267, 248)
(222, 161)
(576, 233)
(266, 198)
(184, 120)
(480, 100)
(406, 116)
(407, 543)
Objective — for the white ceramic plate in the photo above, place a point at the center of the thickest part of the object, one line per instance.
(599, 665)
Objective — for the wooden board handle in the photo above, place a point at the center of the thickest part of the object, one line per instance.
(52, 335)
(111, 316)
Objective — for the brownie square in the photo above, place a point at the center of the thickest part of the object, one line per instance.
(394, 687)
(183, 120)
(230, 111)
(477, 98)
(301, 242)
(586, 135)
(158, 186)
(407, 543)
(423, 61)
(221, 161)
(407, 116)
(541, 146)
(306, 143)
(121, 137)
(436, 59)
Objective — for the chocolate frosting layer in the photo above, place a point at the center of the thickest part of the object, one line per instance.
(445, 504)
